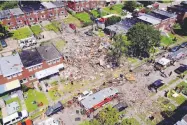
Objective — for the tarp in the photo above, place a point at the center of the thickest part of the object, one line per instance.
(47, 72)
(12, 85)
(9, 86)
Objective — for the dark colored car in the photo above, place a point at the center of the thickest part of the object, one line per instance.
(183, 45)
(155, 85)
(181, 69)
(120, 106)
(3, 43)
(174, 49)
(54, 109)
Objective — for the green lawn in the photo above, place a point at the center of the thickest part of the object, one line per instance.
(36, 29)
(115, 9)
(33, 95)
(84, 17)
(55, 94)
(60, 44)
(132, 60)
(179, 99)
(51, 27)
(165, 104)
(21, 33)
(15, 100)
(96, 13)
(130, 121)
(73, 20)
(166, 41)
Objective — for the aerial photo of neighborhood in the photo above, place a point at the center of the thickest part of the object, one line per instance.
(93, 62)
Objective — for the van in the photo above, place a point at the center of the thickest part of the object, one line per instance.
(54, 109)
(14, 118)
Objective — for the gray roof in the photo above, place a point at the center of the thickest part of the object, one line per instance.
(165, 13)
(98, 97)
(123, 26)
(10, 65)
(149, 19)
(59, 3)
(16, 11)
(183, 121)
(4, 14)
(48, 5)
(48, 52)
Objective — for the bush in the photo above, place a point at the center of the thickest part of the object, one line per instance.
(86, 24)
(112, 20)
(176, 26)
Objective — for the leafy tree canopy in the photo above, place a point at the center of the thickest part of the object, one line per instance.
(8, 4)
(130, 5)
(143, 38)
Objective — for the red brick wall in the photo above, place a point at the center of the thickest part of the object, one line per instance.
(26, 73)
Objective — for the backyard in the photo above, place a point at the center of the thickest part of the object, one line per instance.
(84, 17)
(70, 19)
(33, 98)
(55, 94)
(51, 27)
(36, 29)
(115, 9)
(15, 100)
(60, 44)
(179, 98)
(21, 33)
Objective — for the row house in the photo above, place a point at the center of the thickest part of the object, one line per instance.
(180, 10)
(32, 12)
(80, 5)
(161, 20)
(31, 65)
(13, 18)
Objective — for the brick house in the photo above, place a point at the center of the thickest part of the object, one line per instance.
(79, 6)
(180, 10)
(31, 65)
(60, 8)
(159, 19)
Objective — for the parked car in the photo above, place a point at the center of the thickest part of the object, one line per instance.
(3, 43)
(181, 69)
(174, 49)
(120, 106)
(54, 109)
(155, 85)
(183, 45)
(84, 95)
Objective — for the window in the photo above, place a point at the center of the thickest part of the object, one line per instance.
(30, 69)
(9, 23)
(9, 77)
(28, 14)
(31, 18)
(54, 61)
(62, 12)
(19, 74)
(40, 66)
(58, 60)
(21, 81)
(49, 63)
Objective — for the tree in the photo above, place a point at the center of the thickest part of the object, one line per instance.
(130, 5)
(3, 31)
(143, 38)
(184, 25)
(112, 20)
(92, 122)
(120, 47)
(108, 116)
(8, 5)
(129, 121)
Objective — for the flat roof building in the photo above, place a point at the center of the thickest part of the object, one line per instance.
(30, 6)
(49, 52)
(183, 121)
(30, 57)
(95, 100)
(11, 65)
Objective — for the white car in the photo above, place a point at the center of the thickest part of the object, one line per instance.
(84, 95)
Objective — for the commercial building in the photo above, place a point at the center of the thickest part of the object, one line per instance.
(98, 99)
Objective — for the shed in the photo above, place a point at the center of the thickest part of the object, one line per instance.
(164, 61)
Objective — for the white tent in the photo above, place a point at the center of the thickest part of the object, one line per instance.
(164, 61)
